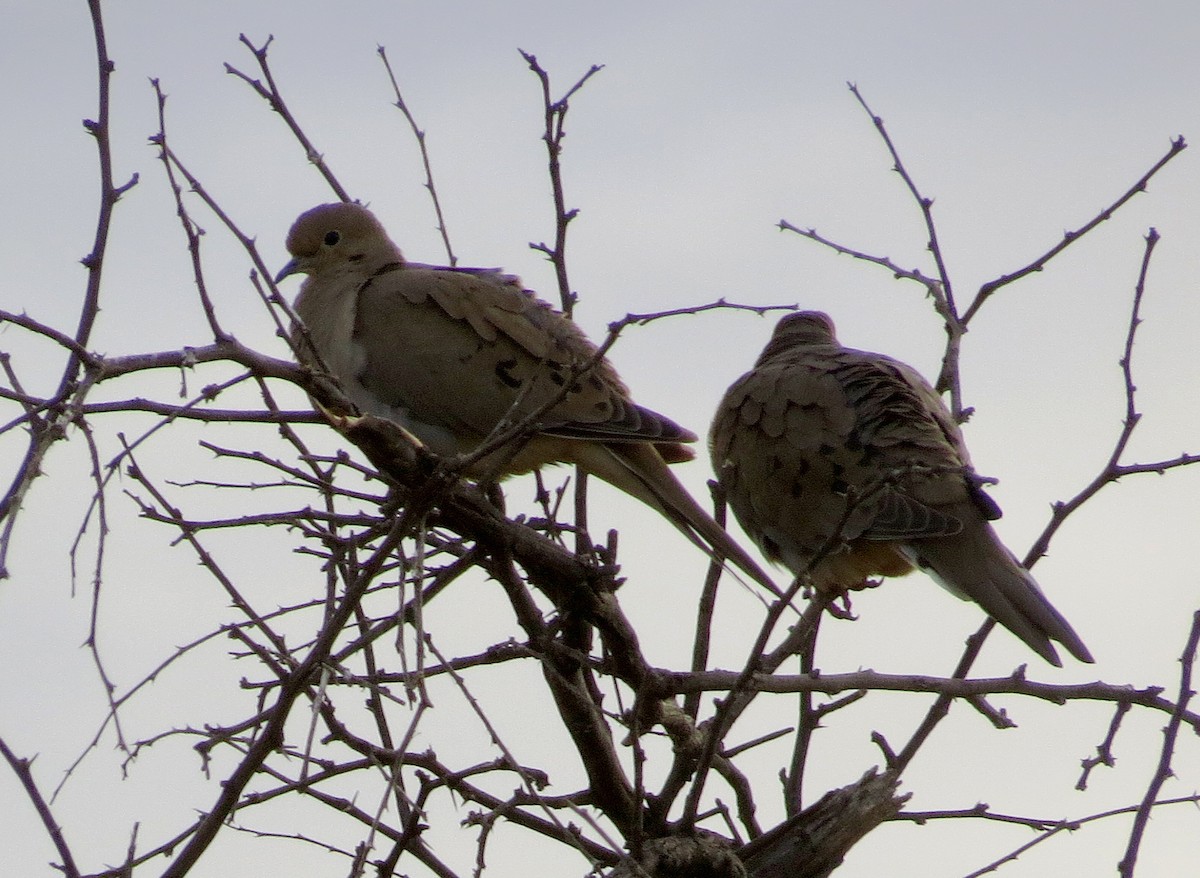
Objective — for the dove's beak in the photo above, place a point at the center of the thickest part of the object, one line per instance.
(293, 267)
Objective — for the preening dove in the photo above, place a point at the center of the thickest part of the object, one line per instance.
(847, 462)
(450, 354)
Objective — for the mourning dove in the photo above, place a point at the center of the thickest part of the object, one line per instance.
(849, 463)
(450, 354)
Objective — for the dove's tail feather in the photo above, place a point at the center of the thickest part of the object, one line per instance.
(640, 471)
(974, 565)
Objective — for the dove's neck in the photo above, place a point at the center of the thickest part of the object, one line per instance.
(383, 257)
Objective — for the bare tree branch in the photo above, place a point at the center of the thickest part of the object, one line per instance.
(1178, 145)
(274, 97)
(21, 768)
(1170, 735)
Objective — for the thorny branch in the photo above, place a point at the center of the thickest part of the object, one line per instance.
(555, 112)
(1162, 772)
(22, 769)
(419, 134)
(1048, 829)
(274, 97)
(49, 423)
(1178, 145)
(1113, 469)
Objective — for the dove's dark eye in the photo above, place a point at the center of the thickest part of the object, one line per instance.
(332, 238)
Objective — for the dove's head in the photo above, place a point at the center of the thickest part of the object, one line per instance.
(801, 329)
(338, 236)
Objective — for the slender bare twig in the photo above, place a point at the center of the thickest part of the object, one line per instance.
(1104, 752)
(555, 113)
(941, 706)
(202, 553)
(191, 231)
(419, 134)
(1113, 469)
(702, 639)
(645, 319)
(110, 193)
(1162, 771)
(274, 97)
(740, 694)
(932, 285)
(1178, 145)
(943, 291)
(808, 721)
(1051, 830)
(85, 357)
(952, 687)
(44, 432)
(21, 768)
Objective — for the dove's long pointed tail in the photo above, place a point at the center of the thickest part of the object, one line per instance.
(975, 565)
(638, 470)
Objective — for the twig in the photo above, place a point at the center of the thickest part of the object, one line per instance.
(21, 769)
(271, 94)
(1113, 469)
(419, 134)
(273, 300)
(1170, 735)
(555, 114)
(705, 607)
(741, 694)
(808, 721)
(943, 291)
(957, 686)
(1058, 827)
(110, 193)
(192, 232)
(644, 319)
(1104, 754)
(931, 285)
(982, 811)
(1178, 145)
(45, 432)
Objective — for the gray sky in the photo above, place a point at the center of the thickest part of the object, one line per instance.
(709, 123)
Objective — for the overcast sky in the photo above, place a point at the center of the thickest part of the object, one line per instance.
(709, 123)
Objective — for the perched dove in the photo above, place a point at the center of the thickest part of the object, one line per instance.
(845, 464)
(450, 354)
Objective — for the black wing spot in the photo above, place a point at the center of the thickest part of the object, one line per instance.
(504, 373)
